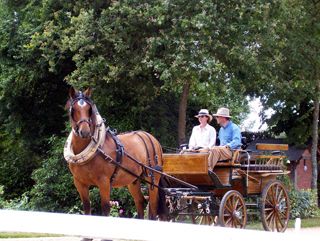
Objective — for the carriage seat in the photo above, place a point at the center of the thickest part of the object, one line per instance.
(238, 154)
(268, 157)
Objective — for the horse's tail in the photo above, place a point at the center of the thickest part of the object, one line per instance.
(162, 207)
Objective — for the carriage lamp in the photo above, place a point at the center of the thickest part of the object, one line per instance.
(305, 168)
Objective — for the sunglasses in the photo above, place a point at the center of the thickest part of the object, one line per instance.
(202, 116)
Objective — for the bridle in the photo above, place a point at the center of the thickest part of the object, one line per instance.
(82, 98)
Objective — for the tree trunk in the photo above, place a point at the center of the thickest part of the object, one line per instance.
(315, 138)
(182, 113)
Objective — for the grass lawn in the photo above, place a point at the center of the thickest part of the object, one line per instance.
(26, 235)
(305, 223)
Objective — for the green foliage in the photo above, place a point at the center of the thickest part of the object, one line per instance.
(126, 204)
(138, 55)
(54, 189)
(2, 201)
(303, 204)
(17, 164)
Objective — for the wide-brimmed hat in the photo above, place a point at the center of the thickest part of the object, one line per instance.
(223, 112)
(204, 112)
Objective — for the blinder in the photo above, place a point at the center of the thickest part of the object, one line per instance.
(84, 99)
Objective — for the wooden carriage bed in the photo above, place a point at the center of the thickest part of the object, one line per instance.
(247, 174)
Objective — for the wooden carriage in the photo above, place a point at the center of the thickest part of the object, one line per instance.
(223, 196)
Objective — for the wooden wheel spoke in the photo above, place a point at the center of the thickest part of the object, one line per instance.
(269, 201)
(237, 220)
(236, 202)
(228, 221)
(275, 207)
(270, 215)
(280, 196)
(229, 206)
(280, 224)
(272, 196)
(240, 207)
(232, 212)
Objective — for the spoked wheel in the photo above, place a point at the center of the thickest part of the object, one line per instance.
(182, 212)
(206, 219)
(233, 211)
(275, 207)
(193, 210)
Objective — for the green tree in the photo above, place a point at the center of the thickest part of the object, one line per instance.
(288, 47)
(27, 113)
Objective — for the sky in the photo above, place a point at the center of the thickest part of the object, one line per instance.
(253, 121)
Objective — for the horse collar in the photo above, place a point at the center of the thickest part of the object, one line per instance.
(97, 140)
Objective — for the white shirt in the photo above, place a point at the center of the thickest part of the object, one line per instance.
(203, 137)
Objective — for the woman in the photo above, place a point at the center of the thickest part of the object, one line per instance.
(204, 135)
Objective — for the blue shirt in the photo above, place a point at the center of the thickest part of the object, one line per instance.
(230, 135)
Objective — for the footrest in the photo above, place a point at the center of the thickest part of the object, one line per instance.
(215, 179)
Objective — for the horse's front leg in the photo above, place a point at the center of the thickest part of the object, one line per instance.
(138, 198)
(105, 190)
(83, 191)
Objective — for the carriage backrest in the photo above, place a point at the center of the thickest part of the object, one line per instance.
(271, 147)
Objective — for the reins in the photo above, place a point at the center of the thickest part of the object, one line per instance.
(111, 160)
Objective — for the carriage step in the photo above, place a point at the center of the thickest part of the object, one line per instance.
(252, 205)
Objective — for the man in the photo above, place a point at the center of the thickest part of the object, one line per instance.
(204, 135)
(229, 135)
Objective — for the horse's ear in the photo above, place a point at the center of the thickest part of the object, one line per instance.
(72, 92)
(88, 92)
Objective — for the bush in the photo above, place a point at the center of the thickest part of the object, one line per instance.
(303, 203)
(54, 190)
(2, 201)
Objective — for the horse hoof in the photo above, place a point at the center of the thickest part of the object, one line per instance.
(86, 239)
(106, 240)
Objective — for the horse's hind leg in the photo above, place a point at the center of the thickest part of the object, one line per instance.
(83, 191)
(138, 198)
(153, 199)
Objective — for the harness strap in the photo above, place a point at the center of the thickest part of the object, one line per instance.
(151, 173)
(118, 165)
(145, 145)
(153, 148)
(119, 152)
(112, 161)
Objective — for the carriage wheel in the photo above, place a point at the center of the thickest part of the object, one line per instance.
(233, 211)
(275, 207)
(193, 213)
(205, 219)
(182, 213)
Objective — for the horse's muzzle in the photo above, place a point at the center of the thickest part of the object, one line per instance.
(84, 133)
(83, 128)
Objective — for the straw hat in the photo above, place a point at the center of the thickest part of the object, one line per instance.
(204, 112)
(223, 112)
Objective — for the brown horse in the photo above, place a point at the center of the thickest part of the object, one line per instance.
(98, 157)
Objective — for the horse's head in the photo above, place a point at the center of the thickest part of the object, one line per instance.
(81, 112)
